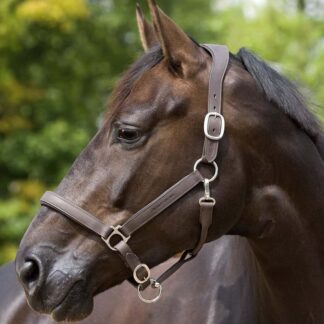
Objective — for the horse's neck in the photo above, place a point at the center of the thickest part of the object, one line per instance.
(289, 250)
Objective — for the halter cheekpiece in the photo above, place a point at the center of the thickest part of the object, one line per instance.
(116, 237)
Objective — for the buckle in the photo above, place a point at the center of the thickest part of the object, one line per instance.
(206, 121)
(117, 232)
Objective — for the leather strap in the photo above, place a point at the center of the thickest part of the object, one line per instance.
(69, 209)
(185, 257)
(129, 256)
(205, 219)
(131, 259)
(220, 54)
(163, 201)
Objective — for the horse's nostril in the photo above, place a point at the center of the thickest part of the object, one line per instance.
(30, 273)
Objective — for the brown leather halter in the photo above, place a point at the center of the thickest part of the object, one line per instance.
(214, 126)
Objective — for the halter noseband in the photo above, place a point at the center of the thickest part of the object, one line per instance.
(214, 126)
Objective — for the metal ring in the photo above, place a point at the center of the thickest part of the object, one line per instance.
(146, 268)
(215, 172)
(155, 285)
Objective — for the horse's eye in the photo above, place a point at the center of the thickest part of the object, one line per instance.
(128, 135)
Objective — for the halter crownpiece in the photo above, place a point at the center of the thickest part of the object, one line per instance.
(214, 127)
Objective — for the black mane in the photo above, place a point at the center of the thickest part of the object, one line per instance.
(282, 92)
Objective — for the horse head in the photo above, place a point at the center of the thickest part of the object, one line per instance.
(151, 137)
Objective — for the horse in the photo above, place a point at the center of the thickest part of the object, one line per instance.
(269, 189)
(198, 300)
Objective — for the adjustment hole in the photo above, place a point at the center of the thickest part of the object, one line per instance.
(214, 95)
(213, 129)
(214, 107)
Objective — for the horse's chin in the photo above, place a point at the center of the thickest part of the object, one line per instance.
(78, 303)
(73, 308)
(74, 304)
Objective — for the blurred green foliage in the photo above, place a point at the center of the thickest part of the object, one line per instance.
(60, 59)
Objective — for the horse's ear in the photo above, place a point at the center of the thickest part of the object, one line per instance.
(183, 54)
(146, 30)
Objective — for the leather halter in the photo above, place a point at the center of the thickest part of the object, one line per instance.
(214, 126)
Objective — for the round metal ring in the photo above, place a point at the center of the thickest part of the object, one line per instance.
(155, 285)
(215, 166)
(146, 268)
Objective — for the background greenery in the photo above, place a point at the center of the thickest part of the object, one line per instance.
(59, 60)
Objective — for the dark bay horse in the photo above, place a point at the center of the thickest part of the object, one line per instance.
(188, 294)
(270, 187)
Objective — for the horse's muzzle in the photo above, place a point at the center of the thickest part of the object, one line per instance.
(50, 287)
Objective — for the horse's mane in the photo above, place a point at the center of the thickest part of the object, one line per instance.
(284, 94)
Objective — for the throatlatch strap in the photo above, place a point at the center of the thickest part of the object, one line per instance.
(205, 219)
